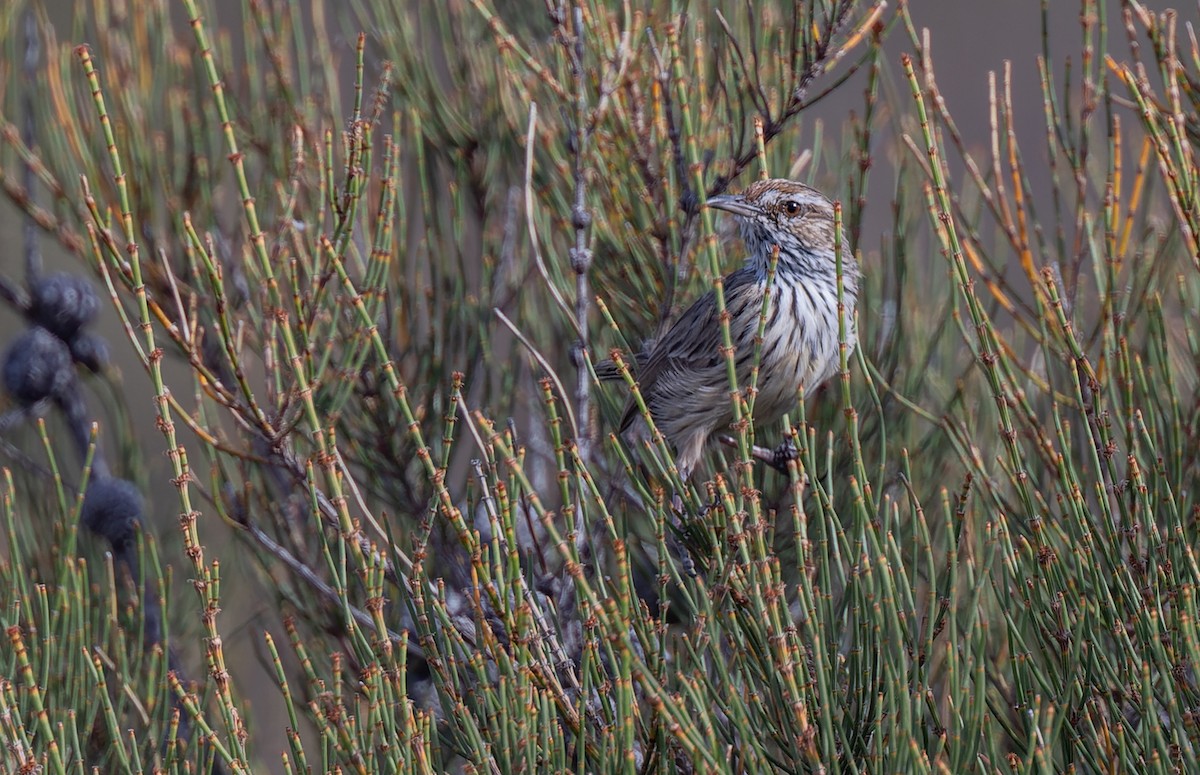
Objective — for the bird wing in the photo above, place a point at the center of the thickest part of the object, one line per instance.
(693, 343)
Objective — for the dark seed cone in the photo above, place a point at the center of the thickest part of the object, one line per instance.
(112, 509)
(63, 304)
(90, 351)
(37, 367)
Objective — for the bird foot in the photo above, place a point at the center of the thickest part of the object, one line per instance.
(783, 454)
(674, 545)
(776, 458)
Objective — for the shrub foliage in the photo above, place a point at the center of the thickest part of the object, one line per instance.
(366, 282)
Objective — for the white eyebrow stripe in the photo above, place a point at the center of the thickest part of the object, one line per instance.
(803, 198)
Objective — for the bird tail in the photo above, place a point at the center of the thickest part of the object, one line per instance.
(607, 371)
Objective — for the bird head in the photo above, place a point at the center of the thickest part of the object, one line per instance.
(795, 217)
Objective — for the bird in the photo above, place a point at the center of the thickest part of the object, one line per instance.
(682, 373)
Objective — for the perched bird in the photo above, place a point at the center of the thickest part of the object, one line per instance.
(682, 373)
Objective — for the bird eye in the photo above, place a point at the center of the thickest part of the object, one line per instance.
(792, 207)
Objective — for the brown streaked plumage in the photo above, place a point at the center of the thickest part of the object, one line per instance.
(682, 374)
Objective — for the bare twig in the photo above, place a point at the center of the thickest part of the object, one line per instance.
(544, 363)
(314, 580)
(33, 52)
(532, 224)
(581, 253)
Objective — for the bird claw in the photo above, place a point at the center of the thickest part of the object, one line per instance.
(783, 454)
(674, 545)
(777, 458)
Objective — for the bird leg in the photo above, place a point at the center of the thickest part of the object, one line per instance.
(674, 545)
(776, 458)
(783, 454)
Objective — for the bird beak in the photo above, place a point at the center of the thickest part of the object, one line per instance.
(733, 203)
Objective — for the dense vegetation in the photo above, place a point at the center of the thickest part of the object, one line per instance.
(365, 288)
